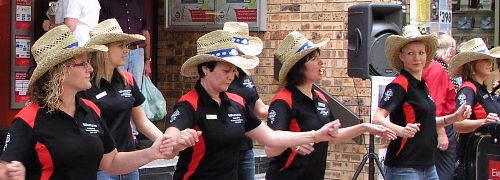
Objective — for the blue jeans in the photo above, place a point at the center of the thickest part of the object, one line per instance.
(246, 166)
(134, 63)
(101, 175)
(397, 173)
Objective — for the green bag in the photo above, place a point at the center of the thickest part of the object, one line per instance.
(155, 105)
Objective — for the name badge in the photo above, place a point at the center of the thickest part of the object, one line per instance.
(211, 116)
(100, 95)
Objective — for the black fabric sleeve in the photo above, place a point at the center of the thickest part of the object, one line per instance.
(280, 115)
(465, 95)
(107, 139)
(182, 117)
(251, 121)
(104, 12)
(138, 96)
(393, 97)
(19, 143)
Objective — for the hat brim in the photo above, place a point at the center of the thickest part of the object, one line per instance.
(58, 57)
(288, 64)
(190, 67)
(253, 48)
(394, 43)
(107, 38)
(457, 61)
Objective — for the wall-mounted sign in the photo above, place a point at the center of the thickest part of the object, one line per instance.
(23, 14)
(21, 87)
(23, 55)
(203, 15)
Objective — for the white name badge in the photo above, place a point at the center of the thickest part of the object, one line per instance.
(211, 116)
(100, 95)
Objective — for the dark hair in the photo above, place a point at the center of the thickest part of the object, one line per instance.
(468, 70)
(296, 74)
(210, 65)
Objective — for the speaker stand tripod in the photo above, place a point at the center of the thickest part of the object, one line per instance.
(373, 158)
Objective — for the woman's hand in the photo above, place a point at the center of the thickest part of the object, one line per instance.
(304, 149)
(163, 147)
(410, 130)
(187, 138)
(327, 132)
(462, 113)
(13, 171)
(492, 117)
(442, 142)
(382, 131)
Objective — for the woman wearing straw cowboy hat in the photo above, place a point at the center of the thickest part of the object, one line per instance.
(223, 117)
(116, 93)
(300, 108)
(474, 63)
(243, 85)
(493, 80)
(411, 108)
(443, 89)
(60, 135)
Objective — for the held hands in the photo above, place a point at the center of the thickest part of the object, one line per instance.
(304, 149)
(162, 147)
(327, 132)
(462, 113)
(12, 171)
(382, 131)
(187, 138)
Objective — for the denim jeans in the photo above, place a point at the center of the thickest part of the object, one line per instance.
(246, 166)
(101, 175)
(397, 173)
(134, 63)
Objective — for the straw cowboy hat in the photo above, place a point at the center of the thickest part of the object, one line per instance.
(394, 43)
(217, 46)
(472, 50)
(247, 44)
(294, 47)
(109, 31)
(54, 47)
(495, 75)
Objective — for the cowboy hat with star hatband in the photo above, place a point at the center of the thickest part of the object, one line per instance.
(294, 47)
(395, 43)
(247, 44)
(472, 50)
(217, 46)
(54, 47)
(109, 31)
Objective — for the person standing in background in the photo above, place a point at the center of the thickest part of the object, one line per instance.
(244, 86)
(80, 16)
(442, 89)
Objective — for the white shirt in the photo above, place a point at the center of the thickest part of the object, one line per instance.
(87, 13)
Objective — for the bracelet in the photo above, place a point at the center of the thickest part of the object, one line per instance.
(313, 136)
(147, 59)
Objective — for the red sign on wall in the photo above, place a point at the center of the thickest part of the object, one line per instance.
(21, 87)
(246, 15)
(23, 44)
(494, 170)
(23, 14)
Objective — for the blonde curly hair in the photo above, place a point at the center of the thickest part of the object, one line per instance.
(47, 90)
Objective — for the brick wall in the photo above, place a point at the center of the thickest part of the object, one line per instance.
(316, 19)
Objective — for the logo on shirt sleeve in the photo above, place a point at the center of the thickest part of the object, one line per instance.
(174, 115)
(322, 109)
(461, 98)
(7, 140)
(388, 94)
(247, 83)
(271, 116)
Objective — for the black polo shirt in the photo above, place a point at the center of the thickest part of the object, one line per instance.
(216, 154)
(291, 110)
(476, 95)
(409, 101)
(56, 145)
(116, 101)
(243, 86)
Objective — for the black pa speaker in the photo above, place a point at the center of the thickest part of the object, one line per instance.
(369, 25)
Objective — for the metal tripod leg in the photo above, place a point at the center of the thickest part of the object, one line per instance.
(372, 157)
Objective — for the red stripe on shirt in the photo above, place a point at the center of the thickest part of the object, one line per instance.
(45, 160)
(92, 106)
(196, 157)
(294, 127)
(236, 98)
(284, 95)
(28, 114)
(410, 119)
(191, 97)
